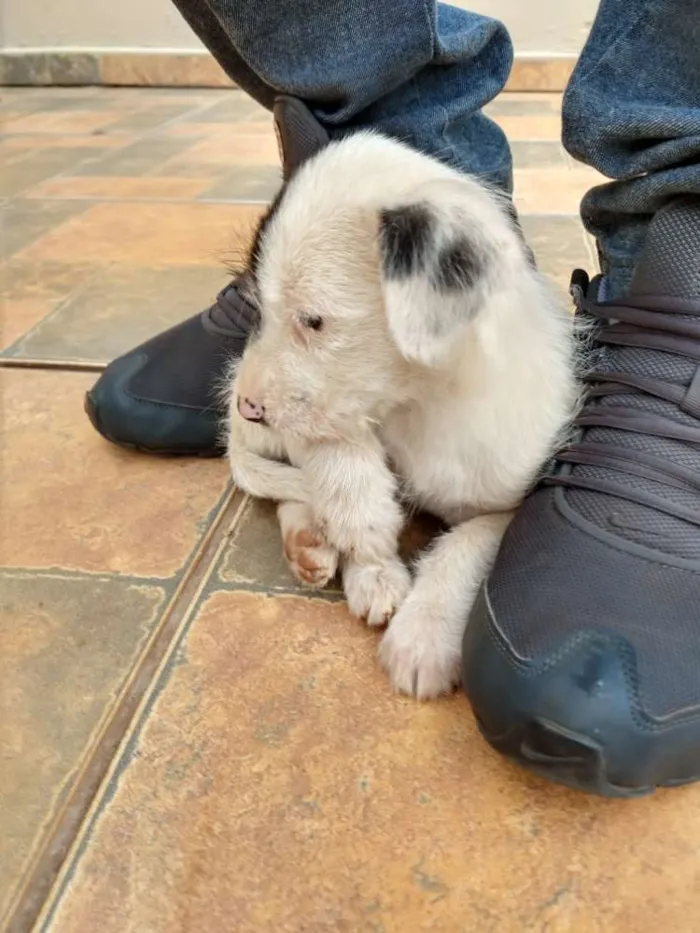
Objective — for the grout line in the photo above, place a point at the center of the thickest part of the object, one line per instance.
(97, 272)
(105, 199)
(178, 622)
(70, 366)
(245, 202)
(328, 594)
(167, 584)
(131, 139)
(97, 763)
(89, 156)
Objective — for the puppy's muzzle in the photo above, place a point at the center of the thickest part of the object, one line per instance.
(251, 411)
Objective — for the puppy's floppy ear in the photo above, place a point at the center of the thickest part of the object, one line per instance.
(435, 273)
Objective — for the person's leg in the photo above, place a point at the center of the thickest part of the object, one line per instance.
(412, 69)
(582, 655)
(632, 111)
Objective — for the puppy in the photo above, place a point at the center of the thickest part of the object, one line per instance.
(407, 355)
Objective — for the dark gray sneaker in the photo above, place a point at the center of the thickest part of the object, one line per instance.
(163, 397)
(582, 655)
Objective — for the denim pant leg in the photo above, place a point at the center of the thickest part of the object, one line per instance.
(632, 110)
(413, 69)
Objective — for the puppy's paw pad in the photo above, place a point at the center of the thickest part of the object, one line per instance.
(375, 592)
(417, 661)
(311, 559)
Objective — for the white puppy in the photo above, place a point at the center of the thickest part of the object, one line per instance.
(407, 353)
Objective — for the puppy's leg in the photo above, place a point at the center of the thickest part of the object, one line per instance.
(354, 500)
(312, 560)
(421, 650)
(264, 478)
(256, 456)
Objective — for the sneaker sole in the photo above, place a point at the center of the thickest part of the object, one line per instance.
(581, 764)
(553, 719)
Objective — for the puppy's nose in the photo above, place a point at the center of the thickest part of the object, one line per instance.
(251, 411)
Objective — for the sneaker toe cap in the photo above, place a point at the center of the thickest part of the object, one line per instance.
(138, 422)
(586, 677)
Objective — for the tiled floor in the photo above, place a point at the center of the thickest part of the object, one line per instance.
(189, 743)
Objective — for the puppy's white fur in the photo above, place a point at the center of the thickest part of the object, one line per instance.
(408, 353)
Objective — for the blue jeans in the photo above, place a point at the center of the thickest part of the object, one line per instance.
(422, 71)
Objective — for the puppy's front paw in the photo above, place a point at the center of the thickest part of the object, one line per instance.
(418, 654)
(311, 559)
(375, 591)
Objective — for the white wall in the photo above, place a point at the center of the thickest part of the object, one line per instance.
(540, 26)
(537, 26)
(94, 25)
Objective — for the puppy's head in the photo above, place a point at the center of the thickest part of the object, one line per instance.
(371, 266)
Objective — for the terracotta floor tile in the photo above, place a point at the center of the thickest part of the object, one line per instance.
(555, 191)
(148, 234)
(256, 126)
(14, 96)
(254, 184)
(19, 316)
(58, 93)
(515, 105)
(254, 555)
(224, 134)
(199, 130)
(143, 157)
(134, 97)
(7, 114)
(10, 155)
(175, 169)
(560, 246)
(65, 121)
(531, 127)
(21, 279)
(49, 101)
(31, 141)
(250, 149)
(554, 99)
(36, 166)
(120, 309)
(544, 73)
(109, 188)
(153, 116)
(537, 155)
(66, 645)
(73, 501)
(234, 107)
(23, 222)
(189, 130)
(278, 785)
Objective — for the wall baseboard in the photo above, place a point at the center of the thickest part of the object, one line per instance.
(32, 68)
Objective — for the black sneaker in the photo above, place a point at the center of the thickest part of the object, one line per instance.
(164, 396)
(582, 655)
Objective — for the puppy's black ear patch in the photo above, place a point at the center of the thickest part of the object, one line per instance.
(458, 266)
(405, 239)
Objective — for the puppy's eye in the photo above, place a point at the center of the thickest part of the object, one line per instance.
(312, 321)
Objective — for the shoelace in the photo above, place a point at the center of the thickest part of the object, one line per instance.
(651, 322)
(231, 310)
